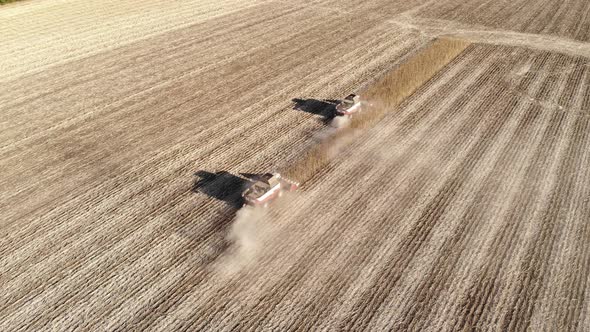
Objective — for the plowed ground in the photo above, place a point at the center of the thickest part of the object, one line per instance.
(125, 125)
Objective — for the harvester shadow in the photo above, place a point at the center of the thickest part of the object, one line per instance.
(222, 186)
(325, 108)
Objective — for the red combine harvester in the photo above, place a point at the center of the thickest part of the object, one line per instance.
(264, 189)
(349, 105)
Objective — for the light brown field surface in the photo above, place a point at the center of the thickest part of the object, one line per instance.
(466, 207)
(566, 18)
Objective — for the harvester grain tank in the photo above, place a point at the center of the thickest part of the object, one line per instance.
(266, 188)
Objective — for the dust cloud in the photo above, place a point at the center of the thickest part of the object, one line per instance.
(246, 238)
(340, 122)
(337, 123)
(253, 228)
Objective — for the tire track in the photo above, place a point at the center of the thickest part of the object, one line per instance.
(547, 310)
(568, 312)
(538, 252)
(453, 249)
(466, 129)
(522, 16)
(371, 300)
(486, 286)
(454, 246)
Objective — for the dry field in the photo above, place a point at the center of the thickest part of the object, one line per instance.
(566, 18)
(467, 206)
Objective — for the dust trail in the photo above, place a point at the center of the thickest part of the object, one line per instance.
(337, 123)
(252, 229)
(340, 122)
(246, 237)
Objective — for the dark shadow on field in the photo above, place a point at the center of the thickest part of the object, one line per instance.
(213, 227)
(206, 232)
(325, 108)
(222, 186)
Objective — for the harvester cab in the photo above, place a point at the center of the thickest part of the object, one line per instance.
(266, 188)
(349, 105)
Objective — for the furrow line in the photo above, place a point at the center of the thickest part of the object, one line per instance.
(454, 246)
(532, 127)
(535, 261)
(143, 55)
(371, 300)
(538, 84)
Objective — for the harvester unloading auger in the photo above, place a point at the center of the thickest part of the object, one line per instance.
(266, 188)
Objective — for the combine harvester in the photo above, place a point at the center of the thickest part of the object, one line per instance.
(266, 188)
(349, 105)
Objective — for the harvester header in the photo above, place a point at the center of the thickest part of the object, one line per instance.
(266, 188)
